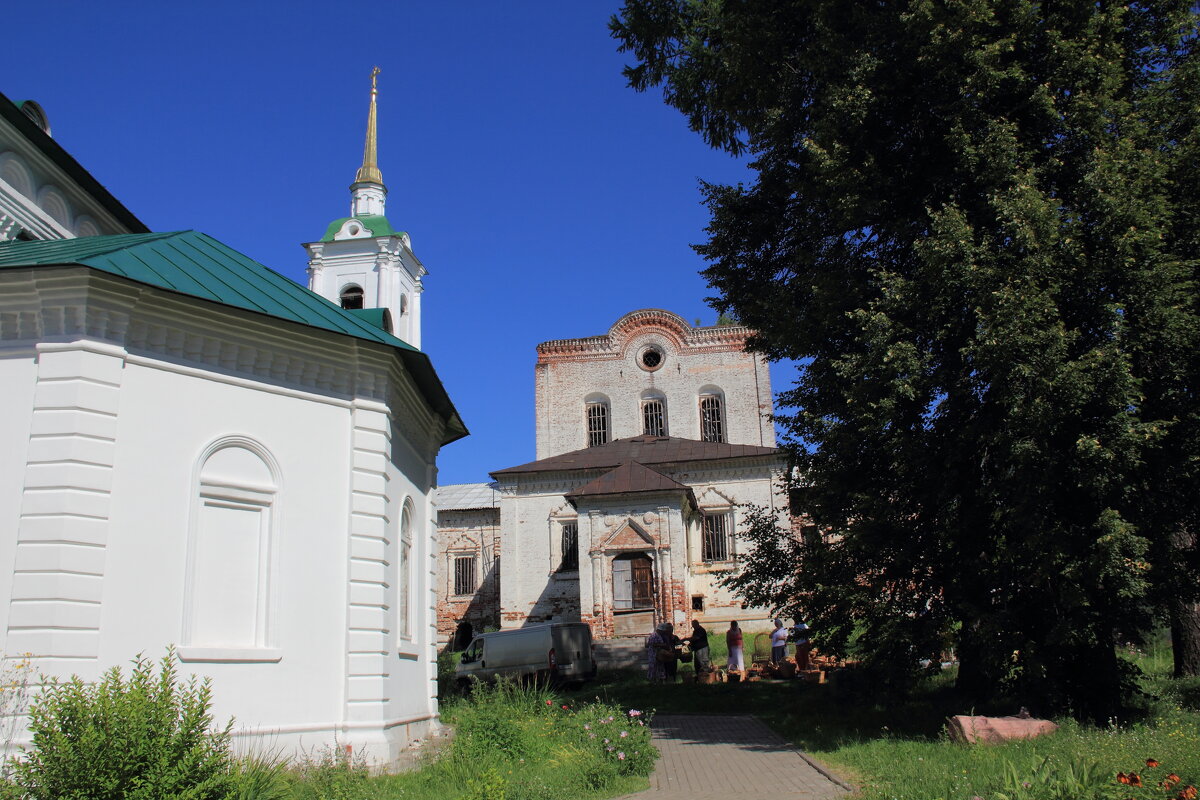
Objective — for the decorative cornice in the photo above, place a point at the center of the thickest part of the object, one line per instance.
(649, 321)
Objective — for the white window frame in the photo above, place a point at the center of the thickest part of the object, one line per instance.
(719, 422)
(597, 409)
(455, 557)
(726, 515)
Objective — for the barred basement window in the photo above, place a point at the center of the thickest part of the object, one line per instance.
(597, 424)
(654, 419)
(712, 423)
(570, 547)
(716, 537)
(464, 574)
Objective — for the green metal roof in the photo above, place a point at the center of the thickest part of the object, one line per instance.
(377, 225)
(196, 265)
(372, 316)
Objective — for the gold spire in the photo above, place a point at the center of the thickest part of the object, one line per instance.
(369, 171)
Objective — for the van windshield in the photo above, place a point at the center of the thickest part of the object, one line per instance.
(474, 652)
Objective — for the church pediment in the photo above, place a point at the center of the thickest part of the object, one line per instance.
(628, 536)
(711, 498)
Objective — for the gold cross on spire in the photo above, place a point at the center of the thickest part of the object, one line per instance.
(369, 171)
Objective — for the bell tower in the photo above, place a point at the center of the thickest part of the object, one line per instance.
(362, 263)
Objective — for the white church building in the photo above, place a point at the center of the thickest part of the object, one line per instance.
(196, 451)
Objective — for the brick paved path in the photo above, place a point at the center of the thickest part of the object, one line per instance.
(711, 757)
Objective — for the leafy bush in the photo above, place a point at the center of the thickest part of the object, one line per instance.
(142, 738)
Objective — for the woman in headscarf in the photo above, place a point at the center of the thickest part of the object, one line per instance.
(657, 642)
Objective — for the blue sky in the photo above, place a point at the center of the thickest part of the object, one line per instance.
(545, 198)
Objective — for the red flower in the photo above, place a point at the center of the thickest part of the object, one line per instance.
(1188, 793)
(565, 708)
(1122, 778)
(1135, 780)
(549, 702)
(1151, 762)
(1171, 779)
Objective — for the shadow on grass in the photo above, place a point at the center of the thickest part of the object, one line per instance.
(815, 717)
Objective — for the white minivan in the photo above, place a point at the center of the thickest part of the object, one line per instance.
(559, 652)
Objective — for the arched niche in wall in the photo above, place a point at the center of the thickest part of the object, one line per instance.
(55, 205)
(14, 172)
(229, 585)
(86, 226)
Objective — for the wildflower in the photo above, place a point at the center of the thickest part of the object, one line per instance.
(1135, 780)
(606, 741)
(591, 736)
(633, 712)
(549, 702)
(621, 756)
(624, 734)
(1188, 793)
(1123, 778)
(587, 727)
(610, 748)
(1151, 762)
(565, 707)
(1172, 779)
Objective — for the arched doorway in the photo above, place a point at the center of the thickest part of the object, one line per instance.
(633, 594)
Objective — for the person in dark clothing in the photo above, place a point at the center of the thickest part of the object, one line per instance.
(671, 668)
(463, 635)
(698, 642)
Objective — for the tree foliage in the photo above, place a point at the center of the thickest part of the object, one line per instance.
(974, 225)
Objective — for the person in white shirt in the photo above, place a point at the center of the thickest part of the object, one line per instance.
(779, 638)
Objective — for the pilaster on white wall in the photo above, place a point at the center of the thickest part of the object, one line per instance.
(372, 562)
(63, 529)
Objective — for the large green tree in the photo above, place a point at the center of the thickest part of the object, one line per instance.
(974, 225)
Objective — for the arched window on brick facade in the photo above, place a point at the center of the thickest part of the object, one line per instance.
(712, 415)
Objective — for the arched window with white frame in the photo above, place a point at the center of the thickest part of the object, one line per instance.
(228, 587)
(654, 414)
(712, 414)
(404, 573)
(596, 418)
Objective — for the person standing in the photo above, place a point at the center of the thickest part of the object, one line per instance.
(698, 642)
(733, 640)
(656, 642)
(671, 667)
(779, 638)
(803, 646)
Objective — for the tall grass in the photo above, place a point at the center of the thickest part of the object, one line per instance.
(527, 743)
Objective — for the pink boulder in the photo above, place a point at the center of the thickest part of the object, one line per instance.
(990, 730)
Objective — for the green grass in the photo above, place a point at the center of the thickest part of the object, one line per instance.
(899, 751)
(510, 743)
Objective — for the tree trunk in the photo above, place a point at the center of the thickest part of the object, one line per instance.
(1185, 637)
(1185, 608)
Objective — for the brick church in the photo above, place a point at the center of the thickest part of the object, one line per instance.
(649, 439)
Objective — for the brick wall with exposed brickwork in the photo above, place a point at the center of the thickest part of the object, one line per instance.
(461, 533)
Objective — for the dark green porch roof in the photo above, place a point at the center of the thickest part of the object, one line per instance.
(196, 265)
